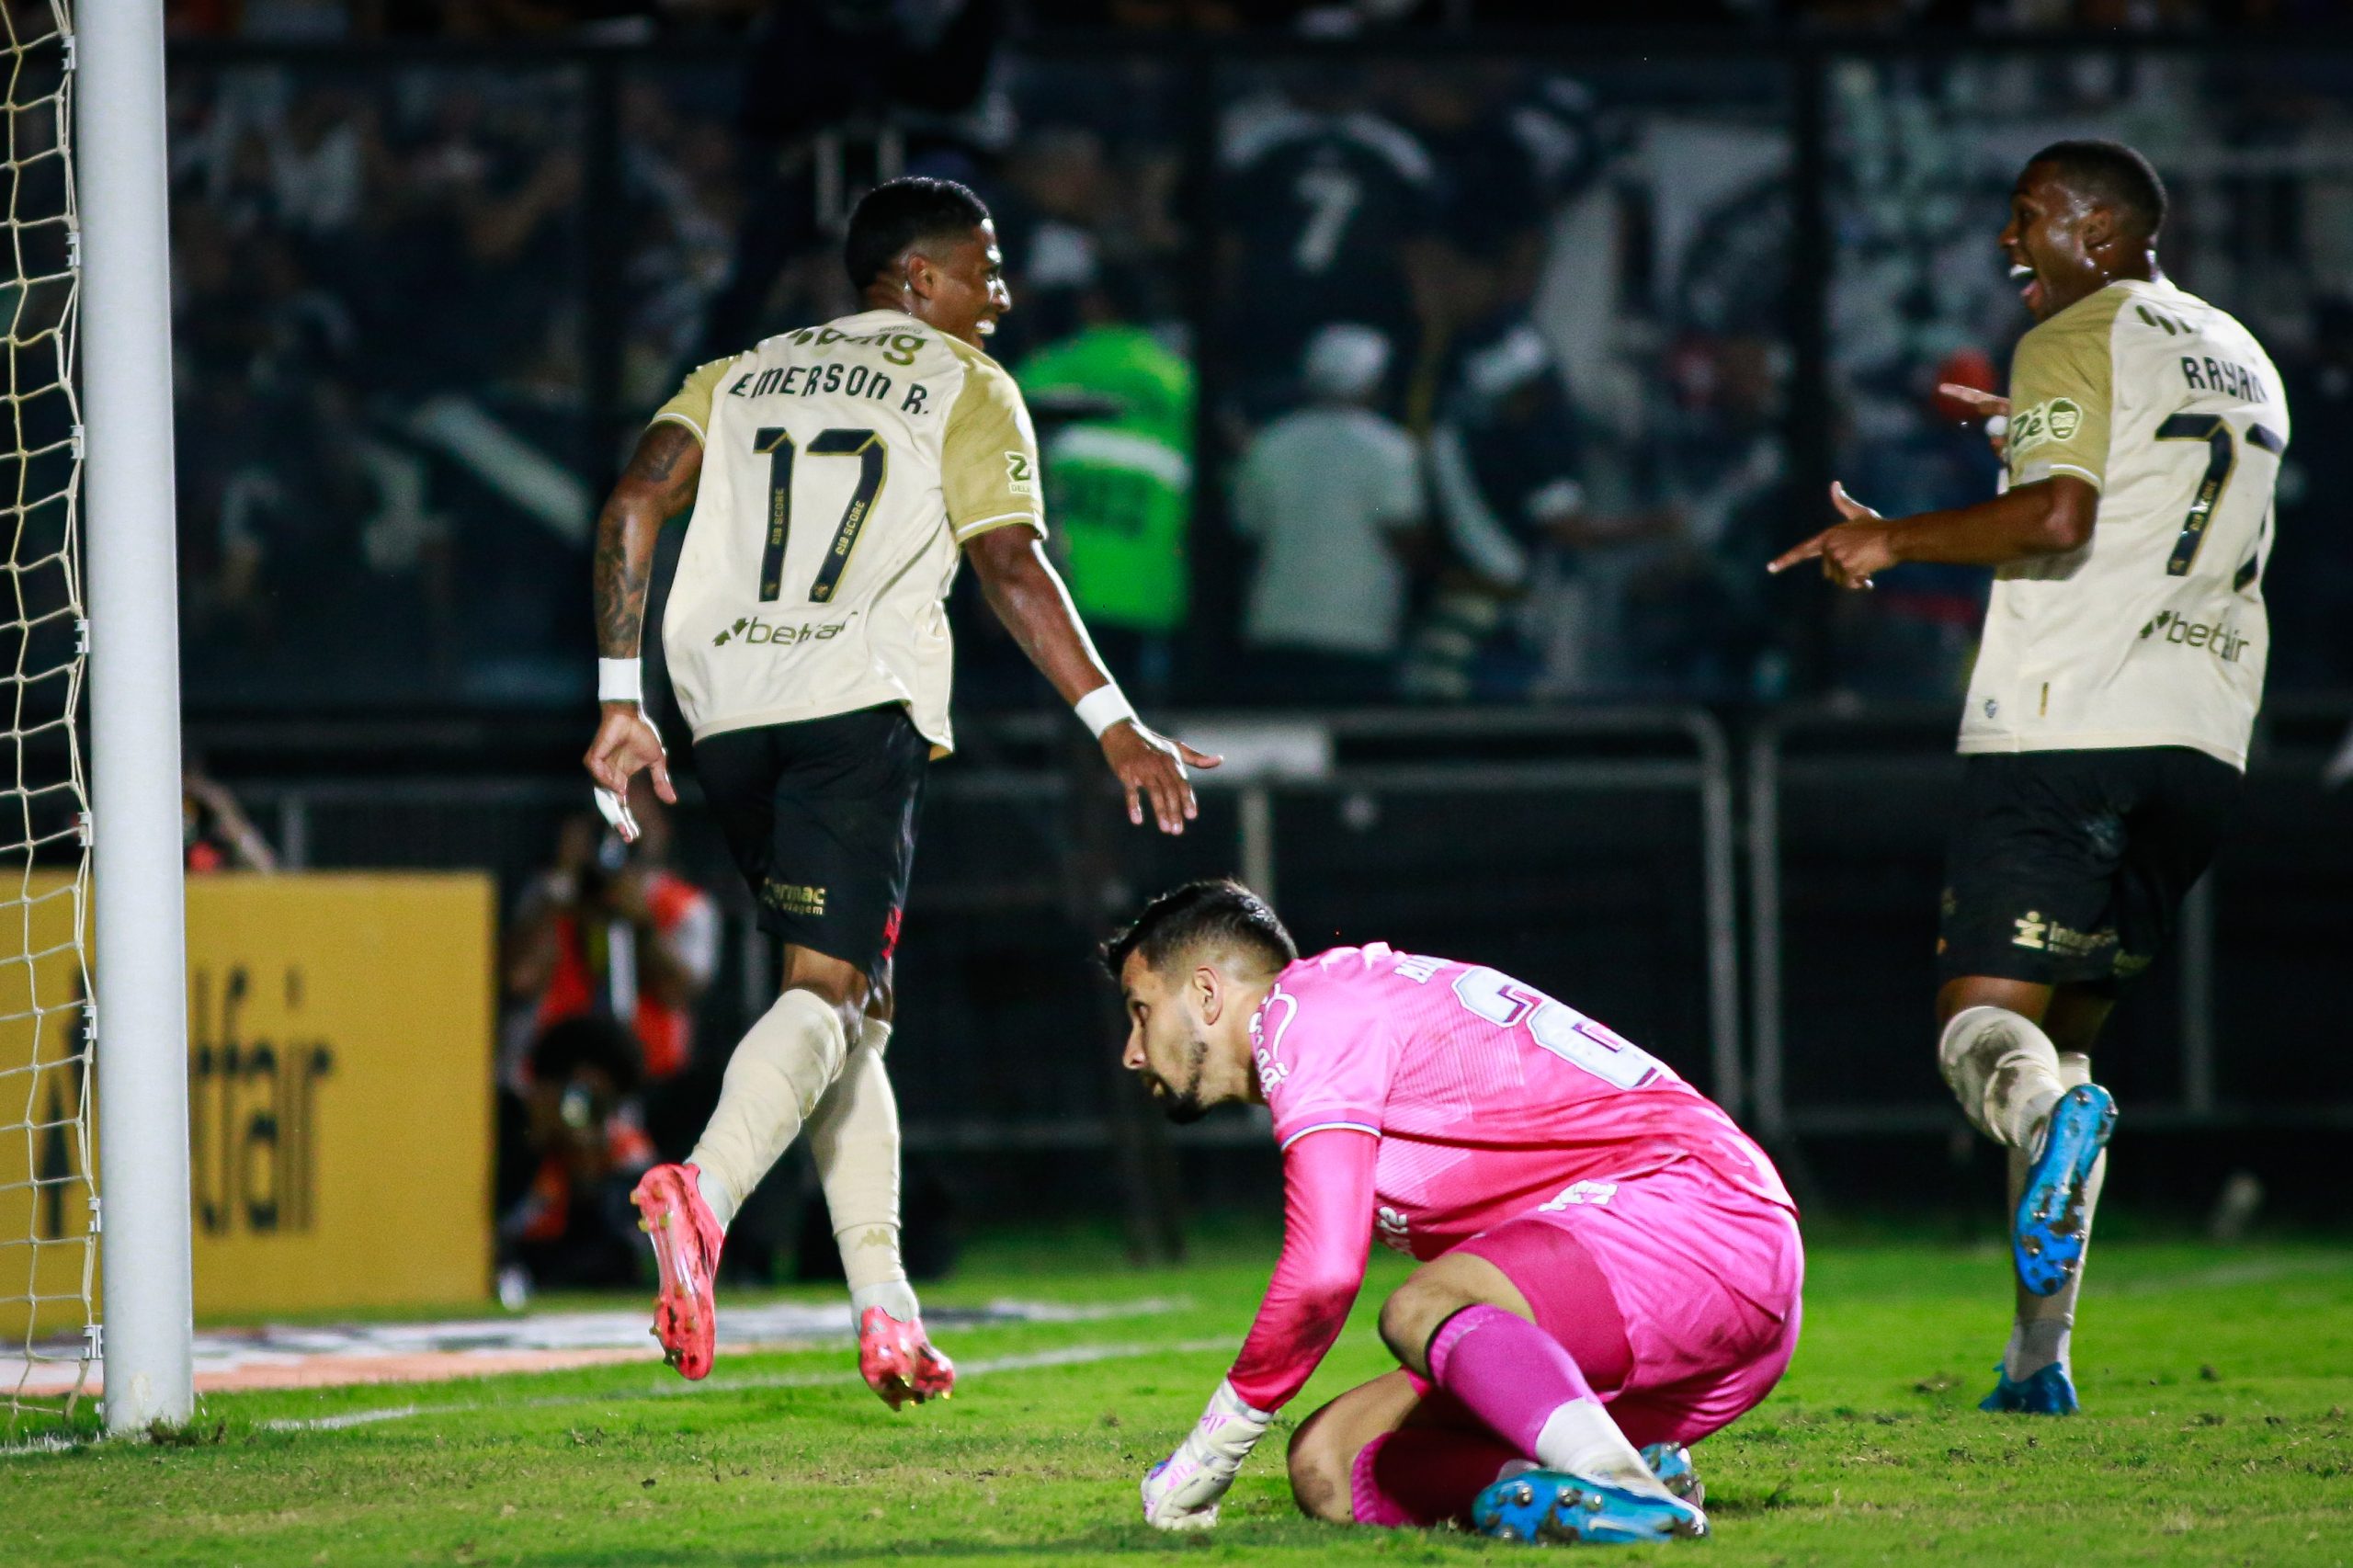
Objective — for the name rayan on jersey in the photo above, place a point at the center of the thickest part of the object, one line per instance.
(2205, 374)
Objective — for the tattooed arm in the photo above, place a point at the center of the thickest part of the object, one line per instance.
(658, 483)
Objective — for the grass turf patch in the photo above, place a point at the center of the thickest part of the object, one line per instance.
(2215, 1383)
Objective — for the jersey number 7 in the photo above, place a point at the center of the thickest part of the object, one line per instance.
(873, 466)
(2222, 459)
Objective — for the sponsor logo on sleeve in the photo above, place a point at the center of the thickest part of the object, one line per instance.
(1020, 475)
(2055, 420)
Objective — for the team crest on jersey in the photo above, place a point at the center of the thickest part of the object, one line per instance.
(1265, 1050)
(1020, 475)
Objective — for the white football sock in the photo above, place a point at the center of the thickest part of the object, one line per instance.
(773, 1080)
(2044, 1325)
(1579, 1438)
(2005, 1071)
(854, 1137)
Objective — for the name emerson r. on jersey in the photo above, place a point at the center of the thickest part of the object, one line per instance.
(2153, 633)
(872, 447)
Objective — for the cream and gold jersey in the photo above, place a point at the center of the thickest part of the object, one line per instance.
(843, 467)
(2152, 635)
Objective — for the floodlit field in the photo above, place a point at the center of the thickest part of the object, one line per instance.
(2216, 1380)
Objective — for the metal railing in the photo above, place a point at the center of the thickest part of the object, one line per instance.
(1705, 773)
(1417, 757)
(1850, 750)
(1285, 769)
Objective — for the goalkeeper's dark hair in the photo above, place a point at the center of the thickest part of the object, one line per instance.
(1220, 914)
(2113, 175)
(905, 211)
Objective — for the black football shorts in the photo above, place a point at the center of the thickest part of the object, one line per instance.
(2068, 867)
(820, 818)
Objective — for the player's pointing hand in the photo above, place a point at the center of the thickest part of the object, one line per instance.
(1152, 765)
(1991, 407)
(1854, 552)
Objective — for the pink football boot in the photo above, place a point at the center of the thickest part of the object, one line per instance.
(686, 1239)
(898, 1361)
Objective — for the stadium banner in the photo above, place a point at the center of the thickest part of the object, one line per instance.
(340, 1122)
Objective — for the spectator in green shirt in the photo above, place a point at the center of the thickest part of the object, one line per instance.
(1117, 403)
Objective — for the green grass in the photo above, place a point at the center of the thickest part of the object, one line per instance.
(2215, 1380)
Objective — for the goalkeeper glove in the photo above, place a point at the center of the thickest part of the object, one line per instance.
(1181, 1492)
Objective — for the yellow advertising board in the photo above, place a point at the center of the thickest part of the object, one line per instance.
(340, 1030)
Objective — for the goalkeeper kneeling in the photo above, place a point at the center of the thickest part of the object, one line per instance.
(1610, 1268)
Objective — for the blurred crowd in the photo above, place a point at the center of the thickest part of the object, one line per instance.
(1556, 348)
(380, 442)
(1458, 378)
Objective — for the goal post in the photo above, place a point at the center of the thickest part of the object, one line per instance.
(139, 917)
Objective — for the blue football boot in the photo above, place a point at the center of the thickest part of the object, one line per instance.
(2047, 1233)
(1671, 1462)
(2047, 1393)
(1549, 1505)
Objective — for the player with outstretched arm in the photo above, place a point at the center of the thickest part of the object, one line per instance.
(2106, 734)
(1610, 1268)
(838, 476)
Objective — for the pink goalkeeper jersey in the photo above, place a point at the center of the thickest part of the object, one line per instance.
(1483, 1099)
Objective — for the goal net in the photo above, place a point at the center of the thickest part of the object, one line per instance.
(48, 1233)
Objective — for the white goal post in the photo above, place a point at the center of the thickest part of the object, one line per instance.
(139, 925)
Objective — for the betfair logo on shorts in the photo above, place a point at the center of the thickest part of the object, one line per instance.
(751, 630)
(787, 899)
(2218, 637)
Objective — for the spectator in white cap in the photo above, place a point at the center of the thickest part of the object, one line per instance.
(1332, 496)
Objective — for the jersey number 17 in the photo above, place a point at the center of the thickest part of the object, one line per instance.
(873, 466)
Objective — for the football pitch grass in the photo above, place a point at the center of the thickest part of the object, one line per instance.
(2216, 1383)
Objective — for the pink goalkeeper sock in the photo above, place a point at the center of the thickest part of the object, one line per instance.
(1511, 1373)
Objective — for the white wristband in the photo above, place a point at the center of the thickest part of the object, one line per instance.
(1103, 707)
(619, 680)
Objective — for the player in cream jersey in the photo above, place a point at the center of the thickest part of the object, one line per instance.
(2151, 634)
(2115, 689)
(871, 450)
(838, 475)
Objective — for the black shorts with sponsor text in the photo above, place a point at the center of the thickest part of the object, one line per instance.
(2068, 867)
(820, 818)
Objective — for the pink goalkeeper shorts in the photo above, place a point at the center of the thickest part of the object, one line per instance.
(1676, 1292)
